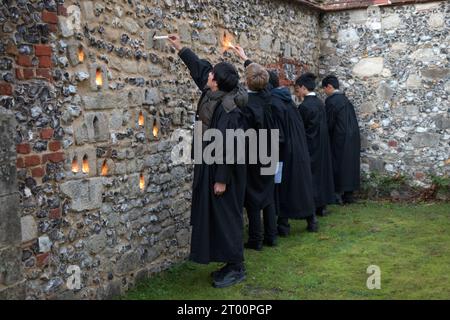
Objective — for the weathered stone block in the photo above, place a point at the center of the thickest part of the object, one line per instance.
(72, 23)
(16, 291)
(105, 100)
(8, 183)
(425, 139)
(183, 237)
(184, 30)
(414, 82)
(384, 91)
(348, 36)
(265, 43)
(127, 263)
(10, 266)
(85, 194)
(130, 25)
(29, 228)
(436, 20)
(435, 72)
(87, 9)
(152, 96)
(10, 232)
(208, 37)
(368, 67)
(391, 22)
(96, 243)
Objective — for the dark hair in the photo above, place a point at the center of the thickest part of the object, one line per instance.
(308, 80)
(330, 80)
(226, 76)
(274, 79)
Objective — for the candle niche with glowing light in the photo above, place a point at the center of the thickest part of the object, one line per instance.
(104, 168)
(98, 77)
(80, 54)
(141, 182)
(227, 41)
(85, 165)
(141, 119)
(75, 166)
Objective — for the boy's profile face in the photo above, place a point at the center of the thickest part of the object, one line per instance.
(328, 89)
(212, 84)
(300, 91)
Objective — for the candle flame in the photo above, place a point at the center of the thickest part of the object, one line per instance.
(141, 182)
(141, 119)
(104, 168)
(98, 78)
(227, 41)
(85, 166)
(80, 54)
(155, 130)
(75, 167)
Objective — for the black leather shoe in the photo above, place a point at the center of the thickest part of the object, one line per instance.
(283, 231)
(253, 245)
(322, 212)
(270, 242)
(313, 224)
(229, 278)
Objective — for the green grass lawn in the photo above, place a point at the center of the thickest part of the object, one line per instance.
(410, 244)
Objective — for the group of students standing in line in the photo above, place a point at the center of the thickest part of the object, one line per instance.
(319, 149)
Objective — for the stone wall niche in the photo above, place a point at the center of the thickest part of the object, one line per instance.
(81, 163)
(93, 128)
(98, 76)
(76, 53)
(105, 167)
(153, 127)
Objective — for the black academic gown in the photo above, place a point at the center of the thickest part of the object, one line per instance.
(314, 118)
(260, 188)
(217, 221)
(345, 142)
(294, 194)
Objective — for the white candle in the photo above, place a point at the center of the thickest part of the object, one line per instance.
(160, 37)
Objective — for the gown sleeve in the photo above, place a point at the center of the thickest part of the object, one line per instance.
(199, 68)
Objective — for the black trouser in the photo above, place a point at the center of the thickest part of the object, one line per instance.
(284, 227)
(255, 233)
(347, 197)
(319, 210)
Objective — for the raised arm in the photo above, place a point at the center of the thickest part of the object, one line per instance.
(198, 68)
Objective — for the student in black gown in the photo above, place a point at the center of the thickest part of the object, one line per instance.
(260, 188)
(218, 189)
(294, 195)
(344, 139)
(314, 118)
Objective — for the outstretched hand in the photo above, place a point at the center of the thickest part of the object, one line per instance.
(174, 39)
(240, 52)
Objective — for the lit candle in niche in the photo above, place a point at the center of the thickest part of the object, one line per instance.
(80, 54)
(98, 77)
(227, 41)
(75, 167)
(141, 119)
(141, 182)
(155, 129)
(85, 166)
(104, 168)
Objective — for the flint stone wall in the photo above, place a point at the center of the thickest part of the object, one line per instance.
(394, 63)
(96, 101)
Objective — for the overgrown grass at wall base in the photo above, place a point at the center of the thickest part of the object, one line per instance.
(399, 187)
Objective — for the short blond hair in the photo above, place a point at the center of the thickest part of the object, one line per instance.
(257, 77)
